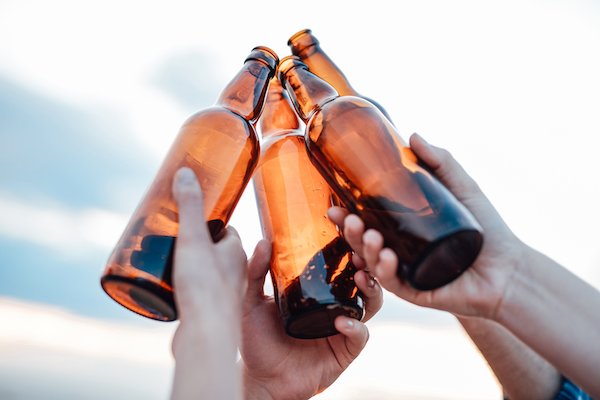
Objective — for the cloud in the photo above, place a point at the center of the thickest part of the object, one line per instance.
(47, 353)
(69, 356)
(190, 79)
(70, 232)
(79, 156)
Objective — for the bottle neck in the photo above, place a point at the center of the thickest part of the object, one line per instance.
(306, 46)
(307, 91)
(245, 94)
(277, 114)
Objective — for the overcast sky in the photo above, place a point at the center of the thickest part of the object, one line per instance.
(93, 93)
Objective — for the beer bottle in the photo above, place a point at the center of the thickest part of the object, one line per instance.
(306, 46)
(222, 147)
(378, 177)
(311, 264)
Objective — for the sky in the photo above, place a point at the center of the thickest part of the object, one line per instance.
(93, 93)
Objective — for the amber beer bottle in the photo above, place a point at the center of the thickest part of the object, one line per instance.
(377, 176)
(308, 49)
(222, 147)
(311, 264)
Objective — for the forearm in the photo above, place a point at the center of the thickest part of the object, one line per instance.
(205, 366)
(557, 315)
(522, 373)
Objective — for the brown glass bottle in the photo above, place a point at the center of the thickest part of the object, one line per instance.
(308, 49)
(378, 177)
(311, 265)
(221, 146)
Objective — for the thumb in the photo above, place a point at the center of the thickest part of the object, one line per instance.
(445, 168)
(355, 334)
(258, 265)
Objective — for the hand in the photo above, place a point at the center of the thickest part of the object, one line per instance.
(480, 289)
(278, 366)
(208, 281)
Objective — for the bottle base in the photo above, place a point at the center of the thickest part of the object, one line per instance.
(319, 322)
(141, 296)
(445, 260)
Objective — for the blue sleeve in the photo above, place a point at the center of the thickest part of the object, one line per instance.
(569, 391)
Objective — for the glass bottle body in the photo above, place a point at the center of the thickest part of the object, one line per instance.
(377, 176)
(311, 265)
(222, 149)
(221, 146)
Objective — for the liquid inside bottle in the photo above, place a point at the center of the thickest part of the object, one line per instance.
(377, 177)
(221, 146)
(311, 265)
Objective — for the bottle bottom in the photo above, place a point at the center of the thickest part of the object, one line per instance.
(444, 261)
(318, 322)
(141, 296)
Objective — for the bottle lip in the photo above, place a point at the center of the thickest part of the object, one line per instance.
(301, 41)
(286, 64)
(265, 55)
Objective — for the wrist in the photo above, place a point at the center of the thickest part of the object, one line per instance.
(199, 338)
(507, 271)
(518, 284)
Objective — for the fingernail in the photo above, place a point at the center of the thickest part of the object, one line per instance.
(371, 282)
(421, 138)
(349, 323)
(185, 176)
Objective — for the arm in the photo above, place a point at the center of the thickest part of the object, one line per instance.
(544, 305)
(563, 318)
(522, 373)
(207, 278)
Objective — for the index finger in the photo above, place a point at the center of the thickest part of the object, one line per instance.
(188, 195)
(337, 215)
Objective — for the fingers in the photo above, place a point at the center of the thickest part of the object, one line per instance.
(188, 196)
(355, 334)
(445, 167)
(193, 253)
(358, 261)
(230, 250)
(337, 215)
(353, 232)
(454, 177)
(371, 293)
(258, 265)
(385, 271)
(230, 246)
(372, 245)
(351, 225)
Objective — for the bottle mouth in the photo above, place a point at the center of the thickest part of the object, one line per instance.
(265, 55)
(288, 63)
(302, 40)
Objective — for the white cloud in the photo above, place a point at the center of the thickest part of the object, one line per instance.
(70, 232)
(46, 353)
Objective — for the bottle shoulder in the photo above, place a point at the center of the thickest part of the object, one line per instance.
(345, 106)
(217, 118)
(285, 138)
(214, 111)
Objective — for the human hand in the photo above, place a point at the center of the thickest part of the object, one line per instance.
(278, 366)
(480, 289)
(209, 282)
